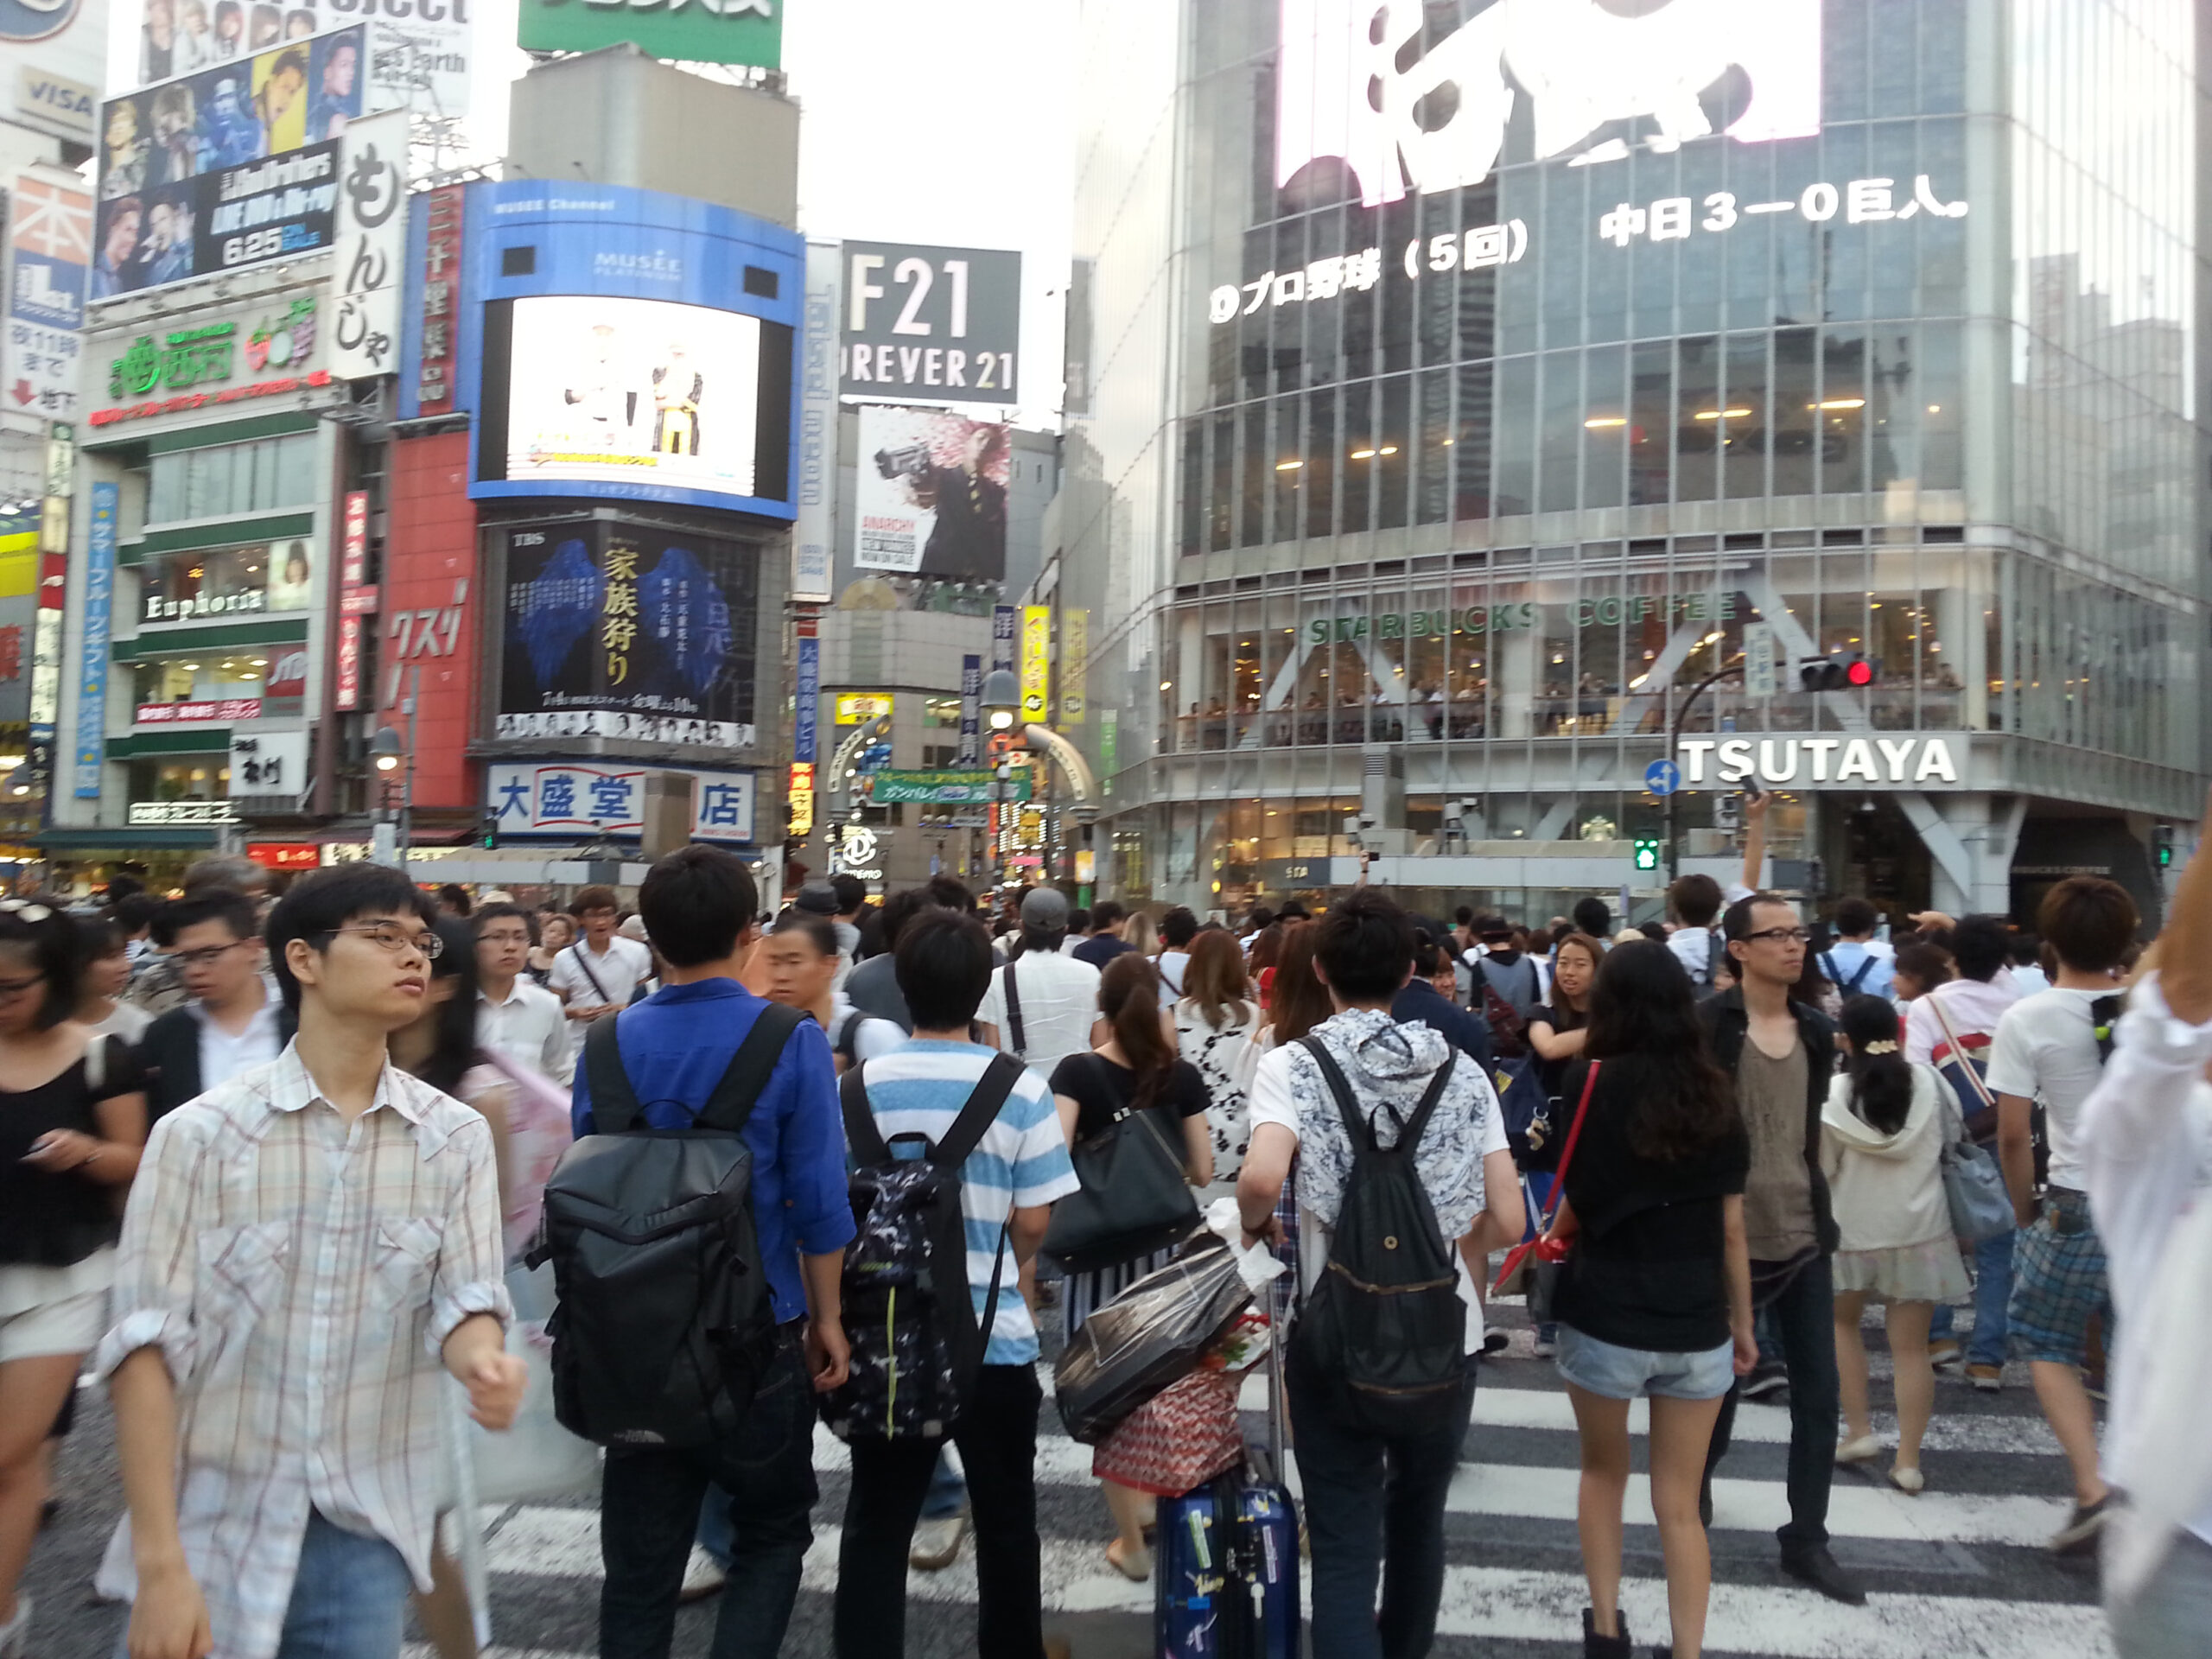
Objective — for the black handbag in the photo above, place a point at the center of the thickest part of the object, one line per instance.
(1134, 1200)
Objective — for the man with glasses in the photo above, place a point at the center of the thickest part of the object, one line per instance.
(307, 1246)
(233, 1019)
(522, 1022)
(1781, 1054)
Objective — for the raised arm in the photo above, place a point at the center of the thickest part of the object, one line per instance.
(1755, 810)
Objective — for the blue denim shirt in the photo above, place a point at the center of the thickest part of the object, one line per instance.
(676, 1045)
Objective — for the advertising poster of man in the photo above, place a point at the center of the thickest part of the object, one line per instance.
(624, 391)
(613, 630)
(335, 61)
(930, 498)
(280, 87)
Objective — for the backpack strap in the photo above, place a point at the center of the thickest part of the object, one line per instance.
(1014, 1009)
(732, 1103)
(1409, 1135)
(862, 1139)
(1358, 1128)
(584, 962)
(979, 1114)
(2104, 1015)
(1409, 1128)
(613, 1102)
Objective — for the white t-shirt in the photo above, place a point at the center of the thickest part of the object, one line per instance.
(1172, 964)
(1970, 1005)
(617, 973)
(2046, 1049)
(1059, 999)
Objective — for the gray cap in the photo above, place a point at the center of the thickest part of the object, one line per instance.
(1045, 909)
(817, 898)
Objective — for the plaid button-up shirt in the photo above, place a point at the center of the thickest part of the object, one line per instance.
(300, 1275)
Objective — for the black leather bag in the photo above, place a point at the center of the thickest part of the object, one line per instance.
(1134, 1200)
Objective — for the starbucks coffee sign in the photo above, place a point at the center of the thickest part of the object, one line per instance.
(1875, 760)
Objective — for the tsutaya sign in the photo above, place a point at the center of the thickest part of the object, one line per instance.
(1906, 762)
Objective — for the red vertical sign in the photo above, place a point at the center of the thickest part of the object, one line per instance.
(352, 567)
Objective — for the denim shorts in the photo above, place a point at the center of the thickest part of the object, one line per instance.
(1614, 1373)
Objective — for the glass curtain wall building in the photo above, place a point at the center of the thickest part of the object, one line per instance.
(1456, 388)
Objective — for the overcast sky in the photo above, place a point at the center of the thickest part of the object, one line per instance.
(924, 120)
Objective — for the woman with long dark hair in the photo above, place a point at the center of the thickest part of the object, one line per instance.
(1882, 1135)
(1654, 1296)
(1300, 1001)
(1135, 1068)
(1215, 1023)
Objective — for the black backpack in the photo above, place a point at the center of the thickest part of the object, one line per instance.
(1383, 1329)
(664, 1323)
(910, 1315)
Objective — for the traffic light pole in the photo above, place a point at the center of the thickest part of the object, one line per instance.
(1733, 665)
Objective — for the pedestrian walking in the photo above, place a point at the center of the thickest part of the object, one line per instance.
(2050, 1054)
(679, 1053)
(800, 961)
(516, 1016)
(1017, 1165)
(327, 1189)
(104, 973)
(1136, 1069)
(1882, 1136)
(1042, 1006)
(1781, 1054)
(72, 1121)
(1217, 1021)
(233, 1020)
(1654, 1294)
(557, 931)
(2144, 1142)
(1377, 1457)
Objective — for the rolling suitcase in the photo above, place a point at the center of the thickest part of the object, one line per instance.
(1225, 1557)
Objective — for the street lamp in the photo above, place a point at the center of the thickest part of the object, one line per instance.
(1002, 698)
(392, 754)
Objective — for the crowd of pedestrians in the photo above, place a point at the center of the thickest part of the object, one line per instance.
(268, 1165)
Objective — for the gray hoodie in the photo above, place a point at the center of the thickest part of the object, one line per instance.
(1887, 1190)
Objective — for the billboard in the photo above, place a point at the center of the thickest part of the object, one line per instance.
(715, 31)
(247, 580)
(929, 495)
(417, 55)
(228, 353)
(654, 397)
(93, 647)
(616, 343)
(50, 259)
(370, 270)
(55, 54)
(620, 630)
(571, 801)
(939, 324)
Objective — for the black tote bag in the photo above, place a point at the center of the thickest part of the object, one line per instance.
(1134, 1200)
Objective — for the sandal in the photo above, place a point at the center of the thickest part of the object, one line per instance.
(1864, 1449)
(1908, 1481)
(1136, 1568)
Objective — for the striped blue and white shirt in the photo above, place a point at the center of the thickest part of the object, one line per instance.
(1022, 1161)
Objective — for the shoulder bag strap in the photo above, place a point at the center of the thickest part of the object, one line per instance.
(613, 1102)
(1014, 1009)
(1573, 1134)
(1959, 1054)
(1358, 1128)
(979, 1114)
(1945, 1093)
(862, 1138)
(732, 1103)
(1409, 1136)
(584, 962)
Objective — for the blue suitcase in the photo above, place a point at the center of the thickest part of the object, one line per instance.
(1226, 1568)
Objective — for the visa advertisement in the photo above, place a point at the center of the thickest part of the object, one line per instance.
(619, 345)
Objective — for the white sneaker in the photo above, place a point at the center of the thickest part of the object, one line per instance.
(703, 1577)
(16, 1634)
(937, 1543)
(1546, 1348)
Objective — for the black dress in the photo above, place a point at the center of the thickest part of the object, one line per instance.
(1100, 1089)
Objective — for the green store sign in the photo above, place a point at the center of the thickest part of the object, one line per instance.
(194, 357)
(1613, 610)
(702, 31)
(888, 788)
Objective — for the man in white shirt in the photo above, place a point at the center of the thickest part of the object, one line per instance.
(1177, 929)
(1054, 1008)
(2050, 1048)
(596, 975)
(1957, 1021)
(233, 1020)
(520, 1020)
(1696, 901)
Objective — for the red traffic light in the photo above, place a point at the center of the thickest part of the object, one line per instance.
(1858, 672)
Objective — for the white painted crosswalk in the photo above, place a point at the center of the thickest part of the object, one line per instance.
(1965, 1571)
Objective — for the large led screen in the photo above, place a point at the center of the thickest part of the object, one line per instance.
(643, 399)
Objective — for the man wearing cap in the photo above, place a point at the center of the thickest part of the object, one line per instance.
(1042, 1006)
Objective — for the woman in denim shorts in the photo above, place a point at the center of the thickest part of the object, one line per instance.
(1654, 1297)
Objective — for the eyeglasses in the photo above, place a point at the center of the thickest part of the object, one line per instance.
(1781, 935)
(395, 939)
(209, 955)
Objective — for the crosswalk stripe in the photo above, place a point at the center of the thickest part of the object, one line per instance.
(1493, 1603)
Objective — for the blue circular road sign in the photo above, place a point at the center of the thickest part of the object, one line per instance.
(1663, 777)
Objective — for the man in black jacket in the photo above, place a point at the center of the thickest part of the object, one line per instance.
(234, 1020)
(1781, 1054)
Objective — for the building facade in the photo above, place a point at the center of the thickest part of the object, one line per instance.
(1472, 405)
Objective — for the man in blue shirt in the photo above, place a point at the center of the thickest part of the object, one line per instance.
(1854, 966)
(699, 907)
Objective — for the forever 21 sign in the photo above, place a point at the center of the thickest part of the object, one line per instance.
(930, 324)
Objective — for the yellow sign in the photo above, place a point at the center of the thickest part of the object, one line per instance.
(1033, 826)
(800, 799)
(1036, 662)
(1086, 866)
(854, 707)
(1075, 663)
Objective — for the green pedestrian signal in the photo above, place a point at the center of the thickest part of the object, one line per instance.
(2162, 840)
(1647, 855)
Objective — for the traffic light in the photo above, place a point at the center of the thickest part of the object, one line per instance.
(1841, 672)
(490, 834)
(1647, 855)
(2162, 843)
